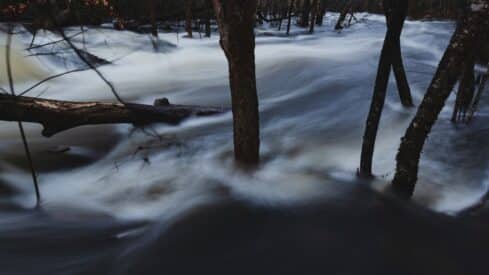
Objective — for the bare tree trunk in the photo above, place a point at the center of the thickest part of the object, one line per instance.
(236, 19)
(188, 18)
(289, 20)
(481, 86)
(208, 29)
(343, 14)
(154, 26)
(400, 73)
(466, 90)
(321, 13)
(462, 43)
(306, 11)
(315, 9)
(395, 12)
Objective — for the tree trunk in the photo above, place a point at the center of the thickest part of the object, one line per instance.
(466, 90)
(188, 18)
(306, 11)
(321, 13)
(400, 75)
(343, 14)
(207, 18)
(152, 15)
(58, 116)
(395, 12)
(289, 20)
(236, 19)
(473, 26)
(315, 8)
(481, 86)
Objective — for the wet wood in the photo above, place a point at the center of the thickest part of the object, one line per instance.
(58, 116)
(462, 44)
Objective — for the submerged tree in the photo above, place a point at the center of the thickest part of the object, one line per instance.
(236, 21)
(462, 45)
(395, 12)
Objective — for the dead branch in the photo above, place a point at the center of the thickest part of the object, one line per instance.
(58, 116)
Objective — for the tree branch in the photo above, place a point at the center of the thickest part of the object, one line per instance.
(58, 116)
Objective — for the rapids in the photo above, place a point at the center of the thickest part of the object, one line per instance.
(314, 94)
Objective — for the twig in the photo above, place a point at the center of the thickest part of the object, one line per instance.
(80, 55)
(52, 42)
(50, 78)
(21, 128)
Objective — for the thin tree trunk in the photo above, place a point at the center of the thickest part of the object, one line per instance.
(188, 18)
(449, 70)
(236, 19)
(289, 20)
(152, 14)
(208, 16)
(400, 74)
(306, 11)
(480, 89)
(343, 14)
(315, 9)
(321, 13)
(395, 12)
(466, 90)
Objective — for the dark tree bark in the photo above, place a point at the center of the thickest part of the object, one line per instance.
(208, 29)
(306, 11)
(188, 17)
(58, 116)
(289, 20)
(315, 9)
(481, 86)
(466, 90)
(395, 12)
(321, 13)
(344, 12)
(236, 19)
(152, 15)
(475, 24)
(400, 72)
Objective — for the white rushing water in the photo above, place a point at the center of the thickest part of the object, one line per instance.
(314, 94)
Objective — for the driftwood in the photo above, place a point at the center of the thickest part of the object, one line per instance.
(58, 116)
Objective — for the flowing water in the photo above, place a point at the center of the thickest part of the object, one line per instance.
(315, 90)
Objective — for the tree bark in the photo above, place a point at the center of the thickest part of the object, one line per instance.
(321, 13)
(236, 19)
(152, 15)
(466, 90)
(306, 11)
(188, 18)
(315, 9)
(289, 20)
(395, 12)
(473, 26)
(58, 116)
(400, 74)
(343, 14)
(208, 15)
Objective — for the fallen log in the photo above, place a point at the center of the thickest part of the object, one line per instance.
(57, 116)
